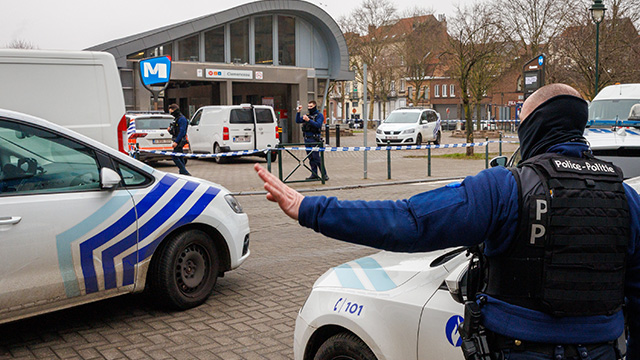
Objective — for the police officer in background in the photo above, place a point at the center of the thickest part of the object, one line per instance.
(561, 236)
(311, 126)
(178, 131)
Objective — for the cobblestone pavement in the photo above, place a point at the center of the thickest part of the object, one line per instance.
(251, 314)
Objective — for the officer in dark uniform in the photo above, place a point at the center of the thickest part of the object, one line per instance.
(560, 233)
(178, 131)
(311, 126)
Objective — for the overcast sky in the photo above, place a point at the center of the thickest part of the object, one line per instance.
(79, 24)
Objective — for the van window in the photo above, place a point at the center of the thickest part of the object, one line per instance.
(431, 116)
(195, 121)
(36, 161)
(264, 116)
(610, 109)
(424, 115)
(241, 116)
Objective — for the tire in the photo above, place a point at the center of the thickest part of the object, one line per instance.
(344, 346)
(419, 139)
(438, 138)
(186, 271)
(216, 150)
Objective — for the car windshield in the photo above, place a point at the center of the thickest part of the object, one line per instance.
(610, 109)
(152, 123)
(402, 117)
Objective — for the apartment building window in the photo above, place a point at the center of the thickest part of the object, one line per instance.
(426, 92)
(410, 92)
(444, 90)
(403, 84)
(451, 90)
(436, 91)
(393, 85)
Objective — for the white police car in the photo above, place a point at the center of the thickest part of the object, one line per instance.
(81, 222)
(384, 306)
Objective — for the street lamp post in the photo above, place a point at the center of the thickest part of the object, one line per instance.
(597, 14)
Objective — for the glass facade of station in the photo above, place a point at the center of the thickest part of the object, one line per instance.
(255, 40)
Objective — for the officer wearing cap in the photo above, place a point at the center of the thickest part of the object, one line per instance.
(561, 234)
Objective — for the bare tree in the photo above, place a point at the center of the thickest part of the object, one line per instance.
(534, 23)
(366, 31)
(573, 55)
(20, 44)
(474, 38)
(420, 50)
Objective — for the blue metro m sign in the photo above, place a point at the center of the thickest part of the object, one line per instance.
(155, 71)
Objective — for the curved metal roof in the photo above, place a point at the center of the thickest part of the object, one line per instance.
(317, 17)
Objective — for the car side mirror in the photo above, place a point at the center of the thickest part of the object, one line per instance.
(109, 179)
(498, 161)
(422, 122)
(456, 282)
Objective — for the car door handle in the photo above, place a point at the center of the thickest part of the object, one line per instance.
(10, 220)
(249, 129)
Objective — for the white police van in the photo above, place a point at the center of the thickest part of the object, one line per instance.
(407, 306)
(80, 222)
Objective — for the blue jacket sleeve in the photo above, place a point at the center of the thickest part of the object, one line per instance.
(299, 119)
(483, 207)
(632, 290)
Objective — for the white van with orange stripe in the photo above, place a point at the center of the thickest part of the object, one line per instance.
(148, 131)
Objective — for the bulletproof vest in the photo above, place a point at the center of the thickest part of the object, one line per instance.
(569, 255)
(307, 127)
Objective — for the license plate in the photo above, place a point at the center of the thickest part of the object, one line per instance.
(161, 141)
(391, 137)
(240, 139)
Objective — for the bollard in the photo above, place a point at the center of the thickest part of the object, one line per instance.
(269, 158)
(486, 154)
(337, 135)
(388, 160)
(500, 151)
(327, 133)
(429, 159)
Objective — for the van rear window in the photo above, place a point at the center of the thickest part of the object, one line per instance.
(264, 116)
(241, 116)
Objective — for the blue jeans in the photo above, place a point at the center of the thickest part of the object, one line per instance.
(314, 159)
(604, 352)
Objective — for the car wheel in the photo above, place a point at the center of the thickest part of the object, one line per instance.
(186, 271)
(344, 346)
(419, 140)
(438, 138)
(219, 159)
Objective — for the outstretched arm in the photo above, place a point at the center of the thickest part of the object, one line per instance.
(288, 199)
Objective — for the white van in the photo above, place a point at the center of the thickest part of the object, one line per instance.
(614, 103)
(80, 90)
(231, 128)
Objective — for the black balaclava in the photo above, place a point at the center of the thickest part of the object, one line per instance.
(313, 110)
(557, 120)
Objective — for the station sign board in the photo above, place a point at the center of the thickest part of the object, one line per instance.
(533, 75)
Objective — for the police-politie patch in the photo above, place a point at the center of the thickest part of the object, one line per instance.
(583, 166)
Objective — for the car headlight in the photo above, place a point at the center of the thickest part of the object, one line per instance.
(409, 131)
(378, 131)
(233, 203)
